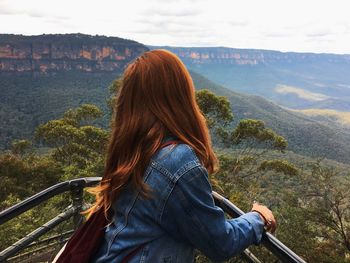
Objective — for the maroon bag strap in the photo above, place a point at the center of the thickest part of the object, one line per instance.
(83, 244)
(169, 142)
(132, 254)
(85, 241)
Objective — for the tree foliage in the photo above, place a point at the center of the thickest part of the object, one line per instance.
(311, 202)
(74, 142)
(329, 204)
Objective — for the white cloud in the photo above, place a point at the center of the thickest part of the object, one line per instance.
(290, 25)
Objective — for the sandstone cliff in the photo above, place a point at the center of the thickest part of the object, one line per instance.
(236, 56)
(51, 53)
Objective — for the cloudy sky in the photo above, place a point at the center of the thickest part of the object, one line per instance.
(285, 25)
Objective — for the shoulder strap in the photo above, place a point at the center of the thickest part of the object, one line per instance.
(169, 142)
(132, 253)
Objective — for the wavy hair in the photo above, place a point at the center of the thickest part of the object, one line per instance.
(157, 97)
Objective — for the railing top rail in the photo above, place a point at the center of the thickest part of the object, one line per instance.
(44, 195)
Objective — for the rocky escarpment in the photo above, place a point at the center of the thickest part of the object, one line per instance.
(236, 56)
(52, 53)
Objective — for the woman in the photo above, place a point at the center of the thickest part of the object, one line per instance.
(158, 199)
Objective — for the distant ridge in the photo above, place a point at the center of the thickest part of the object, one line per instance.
(242, 56)
(28, 100)
(64, 37)
(63, 52)
(305, 135)
(308, 79)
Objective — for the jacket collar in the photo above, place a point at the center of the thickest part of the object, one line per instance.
(169, 137)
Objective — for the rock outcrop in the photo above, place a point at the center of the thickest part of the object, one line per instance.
(236, 56)
(52, 53)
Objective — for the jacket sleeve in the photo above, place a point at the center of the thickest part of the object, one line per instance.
(190, 213)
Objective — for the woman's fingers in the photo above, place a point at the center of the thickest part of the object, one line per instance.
(271, 225)
(266, 214)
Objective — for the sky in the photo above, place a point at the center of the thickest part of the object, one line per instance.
(320, 26)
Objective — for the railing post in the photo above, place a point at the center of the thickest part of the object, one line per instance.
(76, 189)
(75, 186)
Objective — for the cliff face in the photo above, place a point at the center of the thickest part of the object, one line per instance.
(51, 53)
(218, 56)
(235, 56)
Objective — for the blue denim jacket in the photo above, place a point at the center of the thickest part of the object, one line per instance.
(180, 216)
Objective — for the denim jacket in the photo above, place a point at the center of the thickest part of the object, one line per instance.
(179, 216)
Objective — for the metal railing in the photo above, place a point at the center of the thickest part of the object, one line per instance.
(276, 247)
(76, 186)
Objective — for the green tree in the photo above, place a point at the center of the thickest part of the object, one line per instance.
(113, 93)
(328, 203)
(21, 147)
(216, 110)
(247, 171)
(22, 176)
(74, 142)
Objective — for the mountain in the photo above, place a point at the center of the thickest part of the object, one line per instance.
(304, 135)
(294, 80)
(57, 52)
(31, 97)
(43, 76)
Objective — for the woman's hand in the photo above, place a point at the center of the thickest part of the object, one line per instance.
(266, 215)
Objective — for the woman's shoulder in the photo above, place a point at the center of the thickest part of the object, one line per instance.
(175, 159)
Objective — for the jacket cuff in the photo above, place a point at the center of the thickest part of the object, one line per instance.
(257, 223)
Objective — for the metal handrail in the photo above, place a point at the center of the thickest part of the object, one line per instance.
(74, 186)
(54, 237)
(44, 195)
(24, 242)
(275, 246)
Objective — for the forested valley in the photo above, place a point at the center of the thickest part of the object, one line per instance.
(309, 196)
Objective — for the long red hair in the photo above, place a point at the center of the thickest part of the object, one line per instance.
(157, 97)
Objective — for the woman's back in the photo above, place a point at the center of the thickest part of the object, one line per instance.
(179, 215)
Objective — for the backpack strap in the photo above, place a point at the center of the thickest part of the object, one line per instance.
(132, 253)
(169, 142)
